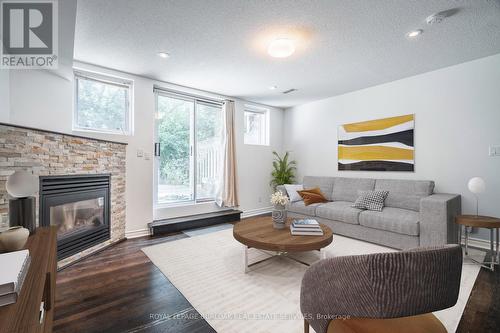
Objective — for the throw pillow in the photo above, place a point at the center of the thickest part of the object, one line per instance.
(371, 200)
(291, 190)
(312, 195)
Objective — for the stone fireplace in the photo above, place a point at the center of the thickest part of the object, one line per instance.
(90, 171)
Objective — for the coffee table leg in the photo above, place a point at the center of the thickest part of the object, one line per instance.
(322, 253)
(245, 256)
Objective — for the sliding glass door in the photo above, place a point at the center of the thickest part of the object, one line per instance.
(187, 149)
(208, 149)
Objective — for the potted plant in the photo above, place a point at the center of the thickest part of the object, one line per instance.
(283, 170)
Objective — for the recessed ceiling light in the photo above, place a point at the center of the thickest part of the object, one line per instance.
(281, 48)
(414, 33)
(273, 87)
(163, 55)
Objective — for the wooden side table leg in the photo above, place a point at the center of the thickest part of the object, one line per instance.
(497, 255)
(492, 251)
(466, 240)
(306, 326)
(460, 234)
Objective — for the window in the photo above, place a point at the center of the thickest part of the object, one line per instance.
(102, 104)
(256, 126)
(188, 148)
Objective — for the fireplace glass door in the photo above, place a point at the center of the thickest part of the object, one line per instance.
(79, 207)
(75, 217)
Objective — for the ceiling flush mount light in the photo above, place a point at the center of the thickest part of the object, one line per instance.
(273, 87)
(414, 33)
(281, 48)
(163, 55)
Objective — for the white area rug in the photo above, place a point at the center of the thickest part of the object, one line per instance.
(208, 270)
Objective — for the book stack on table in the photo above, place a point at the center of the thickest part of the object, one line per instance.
(14, 267)
(306, 227)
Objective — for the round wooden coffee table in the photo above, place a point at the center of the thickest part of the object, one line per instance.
(479, 221)
(259, 234)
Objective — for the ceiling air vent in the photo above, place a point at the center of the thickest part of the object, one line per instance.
(289, 91)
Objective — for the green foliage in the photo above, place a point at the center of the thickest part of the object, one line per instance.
(101, 106)
(175, 136)
(283, 170)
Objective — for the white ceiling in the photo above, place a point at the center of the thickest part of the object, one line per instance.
(220, 45)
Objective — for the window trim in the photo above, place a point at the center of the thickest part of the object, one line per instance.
(264, 111)
(109, 80)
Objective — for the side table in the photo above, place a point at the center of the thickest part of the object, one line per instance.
(478, 221)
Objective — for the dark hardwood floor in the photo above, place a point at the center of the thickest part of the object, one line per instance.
(120, 290)
(482, 313)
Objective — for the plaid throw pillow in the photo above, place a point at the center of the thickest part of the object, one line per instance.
(371, 200)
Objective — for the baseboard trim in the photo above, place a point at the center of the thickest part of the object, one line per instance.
(256, 211)
(137, 233)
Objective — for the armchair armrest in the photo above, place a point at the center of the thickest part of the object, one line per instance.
(437, 219)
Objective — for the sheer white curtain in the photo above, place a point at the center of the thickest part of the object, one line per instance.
(227, 189)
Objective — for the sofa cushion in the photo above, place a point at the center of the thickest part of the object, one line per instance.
(325, 184)
(291, 191)
(311, 196)
(301, 208)
(346, 189)
(401, 221)
(339, 211)
(371, 200)
(405, 194)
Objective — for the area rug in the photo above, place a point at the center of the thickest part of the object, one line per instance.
(208, 270)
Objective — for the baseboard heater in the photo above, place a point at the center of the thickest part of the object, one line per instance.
(193, 221)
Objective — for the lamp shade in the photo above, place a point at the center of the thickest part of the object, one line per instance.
(21, 184)
(477, 185)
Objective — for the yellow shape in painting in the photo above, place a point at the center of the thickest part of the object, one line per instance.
(365, 153)
(376, 125)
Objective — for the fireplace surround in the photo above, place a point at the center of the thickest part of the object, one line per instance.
(47, 153)
(79, 205)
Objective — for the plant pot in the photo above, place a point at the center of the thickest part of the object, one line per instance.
(14, 239)
(279, 217)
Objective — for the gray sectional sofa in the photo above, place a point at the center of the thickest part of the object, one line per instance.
(413, 214)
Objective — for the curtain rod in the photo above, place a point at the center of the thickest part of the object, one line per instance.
(194, 96)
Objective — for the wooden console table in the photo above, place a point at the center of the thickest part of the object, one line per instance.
(34, 310)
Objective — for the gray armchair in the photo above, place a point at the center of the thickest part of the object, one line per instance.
(382, 285)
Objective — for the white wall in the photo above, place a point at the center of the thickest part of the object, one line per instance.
(4, 96)
(41, 99)
(457, 117)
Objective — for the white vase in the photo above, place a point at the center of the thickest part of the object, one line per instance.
(279, 217)
(14, 239)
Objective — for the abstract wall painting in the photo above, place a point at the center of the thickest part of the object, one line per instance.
(377, 145)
